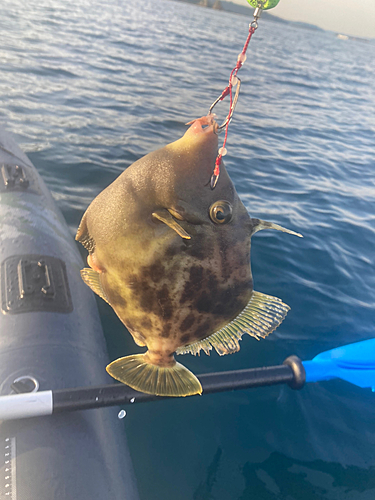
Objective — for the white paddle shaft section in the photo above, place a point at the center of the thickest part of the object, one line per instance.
(31, 404)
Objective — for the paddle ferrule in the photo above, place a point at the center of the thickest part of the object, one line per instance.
(299, 373)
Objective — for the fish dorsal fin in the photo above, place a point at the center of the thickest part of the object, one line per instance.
(259, 224)
(164, 216)
(262, 315)
(83, 236)
(92, 279)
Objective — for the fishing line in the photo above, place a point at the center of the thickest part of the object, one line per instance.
(234, 81)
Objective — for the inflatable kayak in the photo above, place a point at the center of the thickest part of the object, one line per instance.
(51, 338)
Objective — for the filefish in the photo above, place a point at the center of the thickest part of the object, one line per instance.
(172, 258)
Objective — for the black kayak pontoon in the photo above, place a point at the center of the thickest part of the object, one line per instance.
(51, 338)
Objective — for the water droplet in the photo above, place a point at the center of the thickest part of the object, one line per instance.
(132, 400)
(223, 151)
(234, 80)
(96, 399)
(121, 414)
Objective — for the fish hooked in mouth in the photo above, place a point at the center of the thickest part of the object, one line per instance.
(172, 258)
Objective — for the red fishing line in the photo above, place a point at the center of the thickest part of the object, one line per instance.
(229, 91)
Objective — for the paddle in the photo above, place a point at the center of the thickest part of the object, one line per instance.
(354, 363)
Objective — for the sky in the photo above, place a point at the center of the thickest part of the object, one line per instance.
(349, 17)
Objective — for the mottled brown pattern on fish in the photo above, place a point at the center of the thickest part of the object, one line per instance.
(182, 301)
(117, 299)
(168, 290)
(155, 272)
(186, 339)
(146, 324)
(197, 249)
(187, 322)
(167, 327)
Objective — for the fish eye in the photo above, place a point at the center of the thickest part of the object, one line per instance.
(221, 212)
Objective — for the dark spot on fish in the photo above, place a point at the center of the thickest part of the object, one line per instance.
(174, 249)
(172, 271)
(146, 324)
(226, 269)
(243, 272)
(146, 296)
(218, 308)
(203, 303)
(187, 322)
(212, 280)
(228, 309)
(203, 330)
(226, 256)
(155, 272)
(230, 302)
(185, 338)
(193, 285)
(116, 298)
(167, 330)
(196, 274)
(132, 281)
(129, 325)
(165, 302)
(196, 247)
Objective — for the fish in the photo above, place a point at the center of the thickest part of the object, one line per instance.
(172, 258)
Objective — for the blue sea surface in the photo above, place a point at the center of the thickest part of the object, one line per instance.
(89, 87)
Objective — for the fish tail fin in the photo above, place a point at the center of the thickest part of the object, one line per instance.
(137, 372)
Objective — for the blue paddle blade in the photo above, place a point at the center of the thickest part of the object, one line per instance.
(354, 363)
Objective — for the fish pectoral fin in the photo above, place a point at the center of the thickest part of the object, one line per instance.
(92, 280)
(259, 224)
(137, 372)
(261, 316)
(164, 216)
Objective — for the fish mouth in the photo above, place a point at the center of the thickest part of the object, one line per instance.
(204, 125)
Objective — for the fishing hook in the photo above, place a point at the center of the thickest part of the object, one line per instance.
(231, 111)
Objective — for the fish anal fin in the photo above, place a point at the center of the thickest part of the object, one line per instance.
(137, 372)
(261, 316)
(92, 280)
(164, 216)
(259, 224)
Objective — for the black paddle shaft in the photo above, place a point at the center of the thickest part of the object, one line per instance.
(291, 372)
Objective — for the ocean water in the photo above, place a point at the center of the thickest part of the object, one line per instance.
(89, 87)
